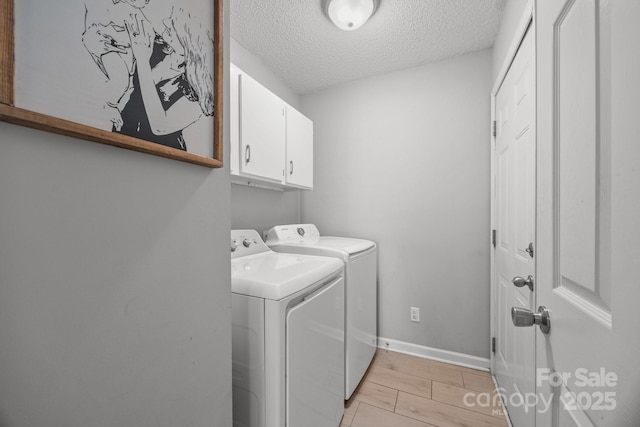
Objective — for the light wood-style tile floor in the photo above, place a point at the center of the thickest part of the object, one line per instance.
(407, 391)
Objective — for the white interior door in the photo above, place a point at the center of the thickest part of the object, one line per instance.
(514, 359)
(588, 208)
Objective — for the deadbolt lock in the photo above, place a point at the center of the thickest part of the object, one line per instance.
(520, 282)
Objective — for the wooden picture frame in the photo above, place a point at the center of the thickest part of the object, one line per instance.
(18, 114)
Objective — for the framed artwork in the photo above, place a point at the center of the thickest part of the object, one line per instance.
(145, 75)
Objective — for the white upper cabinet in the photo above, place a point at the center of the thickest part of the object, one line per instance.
(271, 142)
(234, 120)
(262, 131)
(299, 170)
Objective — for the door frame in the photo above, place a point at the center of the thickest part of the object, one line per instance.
(527, 20)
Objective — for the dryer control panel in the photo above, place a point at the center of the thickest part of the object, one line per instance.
(292, 233)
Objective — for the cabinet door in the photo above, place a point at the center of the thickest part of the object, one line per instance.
(234, 120)
(262, 131)
(299, 165)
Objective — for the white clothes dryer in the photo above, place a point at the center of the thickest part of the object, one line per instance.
(360, 259)
(288, 336)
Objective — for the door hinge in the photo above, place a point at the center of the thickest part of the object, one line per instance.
(493, 238)
(493, 131)
(493, 344)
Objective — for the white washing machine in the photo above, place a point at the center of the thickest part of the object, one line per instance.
(288, 336)
(360, 258)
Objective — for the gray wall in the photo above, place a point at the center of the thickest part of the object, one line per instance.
(511, 15)
(257, 208)
(403, 159)
(114, 286)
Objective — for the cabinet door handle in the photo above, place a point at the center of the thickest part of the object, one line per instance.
(290, 167)
(247, 154)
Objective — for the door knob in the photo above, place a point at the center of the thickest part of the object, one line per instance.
(520, 282)
(523, 317)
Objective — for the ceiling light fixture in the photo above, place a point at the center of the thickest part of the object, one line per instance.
(350, 15)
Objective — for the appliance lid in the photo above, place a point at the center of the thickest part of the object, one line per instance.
(345, 244)
(300, 235)
(275, 276)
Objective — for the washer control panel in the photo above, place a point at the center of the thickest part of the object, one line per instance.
(246, 242)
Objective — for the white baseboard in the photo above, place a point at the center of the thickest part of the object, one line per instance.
(459, 359)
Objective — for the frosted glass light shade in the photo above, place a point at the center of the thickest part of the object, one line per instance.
(350, 15)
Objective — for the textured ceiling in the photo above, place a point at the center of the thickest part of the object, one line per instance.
(299, 43)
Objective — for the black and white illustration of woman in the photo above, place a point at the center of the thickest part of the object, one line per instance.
(157, 60)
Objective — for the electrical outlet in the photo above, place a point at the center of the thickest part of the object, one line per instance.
(415, 314)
